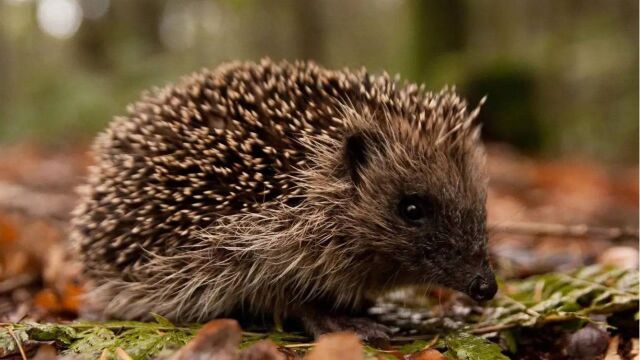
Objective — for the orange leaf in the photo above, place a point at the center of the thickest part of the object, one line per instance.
(47, 300)
(71, 297)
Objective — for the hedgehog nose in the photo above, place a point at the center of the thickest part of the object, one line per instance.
(481, 289)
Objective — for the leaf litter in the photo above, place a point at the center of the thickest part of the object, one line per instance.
(529, 303)
(39, 292)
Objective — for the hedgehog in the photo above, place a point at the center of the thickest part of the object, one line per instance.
(285, 189)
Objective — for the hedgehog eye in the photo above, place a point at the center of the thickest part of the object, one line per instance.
(414, 209)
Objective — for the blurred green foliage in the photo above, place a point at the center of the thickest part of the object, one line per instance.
(561, 76)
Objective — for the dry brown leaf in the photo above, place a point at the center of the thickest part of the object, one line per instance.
(612, 349)
(104, 355)
(634, 354)
(342, 345)
(46, 352)
(48, 301)
(70, 299)
(262, 350)
(122, 355)
(218, 339)
(429, 354)
(625, 257)
(8, 232)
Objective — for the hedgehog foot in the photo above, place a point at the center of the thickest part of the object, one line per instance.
(367, 329)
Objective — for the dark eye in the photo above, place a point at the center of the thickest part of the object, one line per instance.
(414, 209)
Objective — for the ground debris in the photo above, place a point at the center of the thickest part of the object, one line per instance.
(345, 346)
(588, 343)
(533, 317)
(217, 339)
(574, 306)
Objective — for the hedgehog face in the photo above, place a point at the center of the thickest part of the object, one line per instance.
(424, 208)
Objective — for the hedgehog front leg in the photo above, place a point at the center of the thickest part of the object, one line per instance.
(318, 322)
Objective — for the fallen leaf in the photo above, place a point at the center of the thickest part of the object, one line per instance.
(262, 350)
(46, 352)
(634, 354)
(625, 257)
(70, 299)
(47, 301)
(429, 354)
(8, 233)
(218, 339)
(341, 345)
(122, 355)
(612, 349)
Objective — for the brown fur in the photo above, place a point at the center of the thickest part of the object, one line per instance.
(235, 189)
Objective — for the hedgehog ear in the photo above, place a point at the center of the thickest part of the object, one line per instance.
(355, 156)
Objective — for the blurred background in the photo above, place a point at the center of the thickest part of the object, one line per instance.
(561, 118)
(561, 76)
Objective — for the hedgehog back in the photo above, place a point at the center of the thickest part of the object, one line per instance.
(219, 143)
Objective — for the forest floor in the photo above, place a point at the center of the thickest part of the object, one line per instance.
(547, 218)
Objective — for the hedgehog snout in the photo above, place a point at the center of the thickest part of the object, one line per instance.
(483, 287)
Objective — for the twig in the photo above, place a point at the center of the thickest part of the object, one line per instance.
(522, 306)
(304, 345)
(432, 342)
(561, 230)
(18, 344)
(492, 328)
(402, 339)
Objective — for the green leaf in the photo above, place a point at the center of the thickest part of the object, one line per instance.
(464, 346)
(63, 335)
(566, 298)
(161, 320)
(414, 346)
(509, 340)
(8, 343)
(563, 297)
(139, 339)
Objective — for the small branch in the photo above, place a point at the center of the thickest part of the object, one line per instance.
(18, 343)
(405, 339)
(293, 346)
(561, 230)
(522, 307)
(432, 342)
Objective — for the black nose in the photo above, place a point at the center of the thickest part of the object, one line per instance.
(482, 289)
